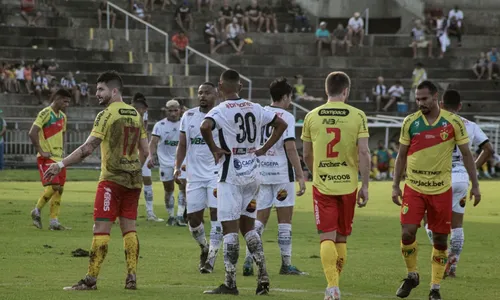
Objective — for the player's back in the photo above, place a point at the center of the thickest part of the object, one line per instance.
(120, 127)
(334, 129)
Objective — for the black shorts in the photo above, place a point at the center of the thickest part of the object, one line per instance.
(236, 40)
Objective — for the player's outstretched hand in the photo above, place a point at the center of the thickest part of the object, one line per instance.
(362, 197)
(397, 194)
(51, 172)
(302, 186)
(218, 153)
(260, 152)
(151, 163)
(474, 192)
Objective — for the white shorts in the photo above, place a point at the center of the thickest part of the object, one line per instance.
(234, 201)
(146, 172)
(279, 195)
(200, 195)
(166, 173)
(459, 190)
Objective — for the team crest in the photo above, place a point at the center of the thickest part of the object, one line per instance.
(215, 193)
(252, 206)
(282, 195)
(183, 168)
(404, 209)
(462, 202)
(444, 135)
(440, 260)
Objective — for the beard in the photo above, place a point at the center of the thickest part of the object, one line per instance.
(104, 100)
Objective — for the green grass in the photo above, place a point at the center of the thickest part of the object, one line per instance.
(169, 256)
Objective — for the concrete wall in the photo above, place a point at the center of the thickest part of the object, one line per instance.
(466, 4)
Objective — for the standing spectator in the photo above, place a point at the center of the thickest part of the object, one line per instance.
(339, 37)
(234, 33)
(179, 43)
(29, 12)
(253, 13)
(379, 92)
(442, 34)
(208, 3)
(139, 10)
(480, 66)
(300, 20)
(455, 30)
(84, 89)
(183, 17)
(102, 12)
(239, 13)
(3, 129)
(212, 37)
(356, 27)
(323, 38)
(270, 17)
(28, 77)
(419, 74)
(419, 40)
(396, 93)
(10, 78)
(492, 57)
(225, 15)
(20, 80)
(458, 14)
(41, 85)
(68, 82)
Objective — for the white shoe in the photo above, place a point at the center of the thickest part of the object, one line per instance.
(332, 293)
(153, 217)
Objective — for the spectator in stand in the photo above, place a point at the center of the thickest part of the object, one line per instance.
(165, 3)
(3, 129)
(28, 77)
(430, 23)
(225, 15)
(212, 37)
(323, 38)
(299, 90)
(458, 15)
(419, 40)
(356, 27)
(84, 89)
(20, 80)
(300, 20)
(381, 161)
(270, 17)
(396, 93)
(379, 92)
(208, 3)
(492, 57)
(41, 86)
(10, 77)
(179, 43)
(480, 66)
(339, 37)
(454, 29)
(183, 17)
(29, 12)
(419, 74)
(235, 37)
(40, 65)
(253, 13)
(68, 82)
(139, 10)
(442, 34)
(3, 79)
(239, 13)
(102, 12)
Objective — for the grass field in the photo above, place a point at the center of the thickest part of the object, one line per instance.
(169, 256)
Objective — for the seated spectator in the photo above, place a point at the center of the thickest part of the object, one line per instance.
(356, 27)
(208, 3)
(29, 12)
(28, 77)
(39, 65)
(458, 15)
(183, 17)
(270, 17)
(339, 37)
(102, 11)
(235, 38)
(480, 66)
(253, 13)
(225, 15)
(167, 2)
(68, 82)
(430, 24)
(454, 29)
(396, 93)
(212, 37)
(239, 13)
(492, 57)
(84, 89)
(419, 40)
(419, 74)
(10, 78)
(179, 43)
(300, 20)
(323, 38)
(442, 34)
(41, 85)
(20, 81)
(379, 92)
(140, 11)
(299, 90)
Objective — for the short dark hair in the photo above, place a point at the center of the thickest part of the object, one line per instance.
(427, 84)
(419, 64)
(230, 75)
(336, 82)
(451, 99)
(63, 93)
(279, 88)
(139, 98)
(112, 79)
(209, 84)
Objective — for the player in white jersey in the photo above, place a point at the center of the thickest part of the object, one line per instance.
(140, 104)
(279, 169)
(201, 170)
(238, 122)
(164, 141)
(460, 179)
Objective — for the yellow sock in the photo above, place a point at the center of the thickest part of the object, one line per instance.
(329, 258)
(97, 254)
(410, 256)
(131, 246)
(439, 259)
(342, 256)
(391, 165)
(484, 167)
(47, 194)
(55, 205)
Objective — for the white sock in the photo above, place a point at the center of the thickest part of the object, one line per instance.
(198, 234)
(254, 244)
(54, 221)
(231, 253)
(181, 203)
(169, 204)
(259, 227)
(285, 243)
(215, 241)
(429, 234)
(456, 244)
(148, 196)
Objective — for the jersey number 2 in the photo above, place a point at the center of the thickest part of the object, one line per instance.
(336, 139)
(131, 134)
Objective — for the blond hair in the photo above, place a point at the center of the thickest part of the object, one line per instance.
(172, 104)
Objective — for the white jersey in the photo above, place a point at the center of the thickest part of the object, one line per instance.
(275, 167)
(168, 133)
(239, 122)
(200, 163)
(477, 138)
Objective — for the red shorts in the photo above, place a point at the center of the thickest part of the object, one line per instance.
(383, 167)
(334, 213)
(113, 200)
(43, 165)
(438, 207)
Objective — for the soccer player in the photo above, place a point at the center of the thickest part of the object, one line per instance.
(140, 104)
(119, 131)
(238, 122)
(427, 140)
(460, 179)
(335, 137)
(47, 135)
(164, 141)
(201, 177)
(279, 169)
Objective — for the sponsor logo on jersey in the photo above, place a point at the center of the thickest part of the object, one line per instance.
(197, 141)
(98, 119)
(127, 112)
(282, 195)
(238, 105)
(421, 172)
(331, 164)
(252, 206)
(333, 112)
(125, 161)
(107, 199)
(329, 121)
(429, 183)
(190, 113)
(171, 143)
(269, 164)
(336, 178)
(239, 151)
(238, 164)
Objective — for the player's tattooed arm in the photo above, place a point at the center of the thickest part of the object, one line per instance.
(83, 151)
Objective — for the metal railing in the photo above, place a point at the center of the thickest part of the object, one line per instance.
(366, 15)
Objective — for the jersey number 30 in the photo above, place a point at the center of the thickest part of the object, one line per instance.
(247, 126)
(330, 153)
(130, 139)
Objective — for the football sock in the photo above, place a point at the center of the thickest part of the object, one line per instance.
(342, 255)
(55, 204)
(148, 196)
(47, 194)
(198, 234)
(409, 249)
(215, 241)
(131, 246)
(231, 252)
(259, 227)
(329, 257)
(285, 243)
(181, 203)
(169, 203)
(439, 259)
(98, 252)
(456, 245)
(254, 245)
